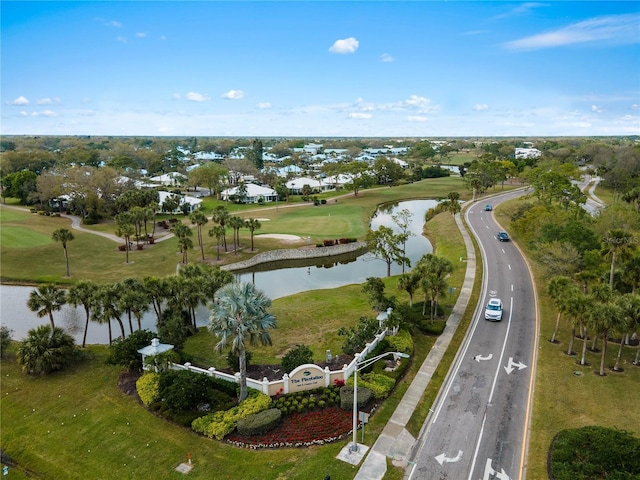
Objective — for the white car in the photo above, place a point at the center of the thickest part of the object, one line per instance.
(493, 312)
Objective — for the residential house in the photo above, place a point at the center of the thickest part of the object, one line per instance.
(254, 194)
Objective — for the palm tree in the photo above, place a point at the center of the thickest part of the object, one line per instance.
(83, 293)
(560, 289)
(45, 350)
(156, 290)
(589, 301)
(199, 219)
(630, 308)
(45, 300)
(576, 308)
(433, 272)
(252, 224)
(125, 230)
(616, 246)
(240, 311)
(184, 242)
(64, 236)
(601, 293)
(133, 300)
(236, 223)
(409, 283)
(604, 317)
(221, 216)
(108, 300)
(219, 232)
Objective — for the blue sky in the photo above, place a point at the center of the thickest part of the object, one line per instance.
(314, 69)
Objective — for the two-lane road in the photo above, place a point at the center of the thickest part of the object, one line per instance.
(477, 428)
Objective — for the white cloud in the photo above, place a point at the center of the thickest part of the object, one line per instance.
(197, 97)
(233, 94)
(44, 113)
(635, 106)
(114, 23)
(596, 109)
(522, 9)
(48, 101)
(385, 57)
(344, 46)
(141, 35)
(176, 96)
(416, 118)
(121, 39)
(23, 113)
(417, 103)
(263, 105)
(481, 107)
(360, 115)
(19, 101)
(163, 37)
(612, 29)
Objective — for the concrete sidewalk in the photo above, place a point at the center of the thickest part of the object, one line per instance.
(395, 441)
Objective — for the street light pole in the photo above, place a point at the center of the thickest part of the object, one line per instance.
(359, 366)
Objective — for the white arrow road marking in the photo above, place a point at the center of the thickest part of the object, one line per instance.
(488, 471)
(442, 458)
(509, 368)
(477, 358)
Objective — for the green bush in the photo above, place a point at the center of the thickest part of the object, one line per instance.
(125, 352)
(299, 355)
(400, 342)
(346, 397)
(148, 388)
(592, 453)
(219, 424)
(435, 329)
(380, 385)
(260, 423)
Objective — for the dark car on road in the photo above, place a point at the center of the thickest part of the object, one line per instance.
(502, 236)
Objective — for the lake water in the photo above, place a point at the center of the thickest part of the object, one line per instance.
(274, 283)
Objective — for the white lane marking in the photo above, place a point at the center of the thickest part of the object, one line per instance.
(477, 358)
(509, 368)
(442, 458)
(509, 266)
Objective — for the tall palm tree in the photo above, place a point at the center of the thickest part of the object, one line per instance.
(219, 232)
(133, 300)
(560, 289)
(601, 293)
(221, 216)
(184, 241)
(433, 272)
(64, 236)
(83, 293)
(156, 290)
(199, 219)
(108, 301)
(45, 300)
(236, 223)
(45, 350)
(239, 313)
(589, 301)
(604, 317)
(409, 283)
(577, 309)
(252, 224)
(616, 245)
(630, 308)
(125, 231)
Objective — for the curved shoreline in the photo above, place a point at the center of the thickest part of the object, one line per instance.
(295, 254)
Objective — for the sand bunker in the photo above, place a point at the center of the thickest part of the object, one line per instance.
(280, 236)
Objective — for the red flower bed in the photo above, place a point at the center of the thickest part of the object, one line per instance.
(301, 430)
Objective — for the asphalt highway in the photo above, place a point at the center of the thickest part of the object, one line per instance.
(478, 426)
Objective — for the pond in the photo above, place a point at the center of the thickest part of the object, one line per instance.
(274, 283)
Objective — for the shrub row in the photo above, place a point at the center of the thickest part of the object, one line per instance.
(220, 424)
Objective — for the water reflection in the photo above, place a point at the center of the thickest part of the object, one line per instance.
(298, 277)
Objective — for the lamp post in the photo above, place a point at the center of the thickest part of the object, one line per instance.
(359, 366)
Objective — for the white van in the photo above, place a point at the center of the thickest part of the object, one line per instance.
(493, 311)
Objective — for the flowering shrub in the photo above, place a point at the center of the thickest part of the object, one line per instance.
(338, 382)
(301, 430)
(148, 386)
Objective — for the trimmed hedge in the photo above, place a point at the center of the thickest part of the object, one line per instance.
(260, 423)
(400, 342)
(346, 397)
(593, 453)
(380, 385)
